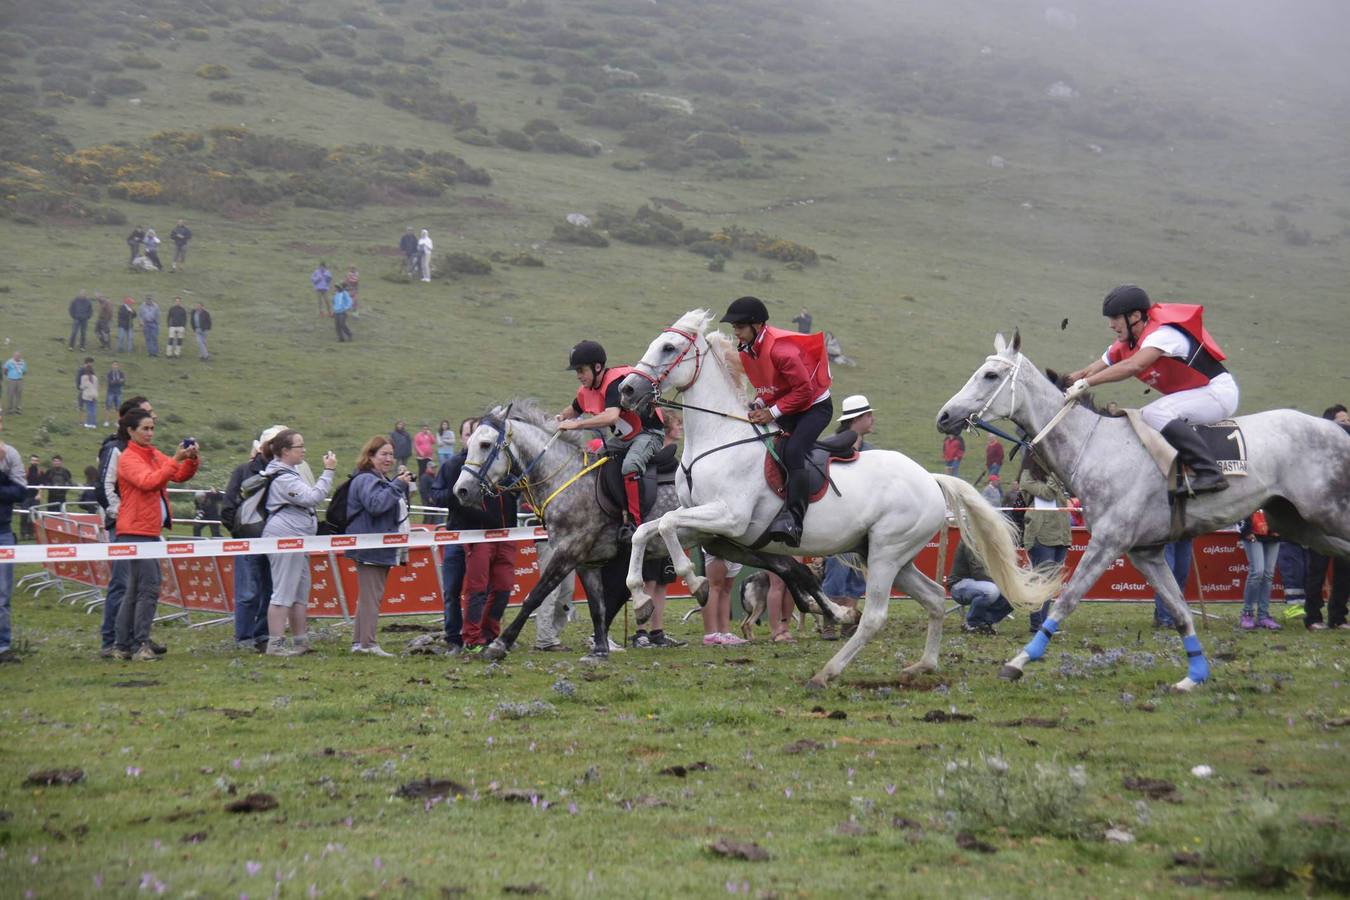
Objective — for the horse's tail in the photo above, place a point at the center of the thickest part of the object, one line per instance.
(992, 537)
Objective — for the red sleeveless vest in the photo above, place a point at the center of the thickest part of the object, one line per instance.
(592, 403)
(770, 385)
(1170, 374)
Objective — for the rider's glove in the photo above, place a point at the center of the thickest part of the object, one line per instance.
(1077, 389)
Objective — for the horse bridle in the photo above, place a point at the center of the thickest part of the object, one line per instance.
(670, 367)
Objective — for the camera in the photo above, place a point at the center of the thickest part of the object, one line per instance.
(188, 442)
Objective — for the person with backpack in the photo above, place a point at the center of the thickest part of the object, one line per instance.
(377, 503)
(143, 474)
(252, 573)
(290, 505)
(109, 502)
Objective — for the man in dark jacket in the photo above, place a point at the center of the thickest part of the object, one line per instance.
(252, 574)
(180, 236)
(201, 324)
(59, 476)
(81, 310)
(177, 318)
(459, 518)
(971, 586)
(402, 442)
(408, 245)
(34, 476)
(126, 325)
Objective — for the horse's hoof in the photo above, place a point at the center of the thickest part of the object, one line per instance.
(641, 602)
(1184, 686)
(697, 585)
(594, 659)
(644, 613)
(815, 685)
(909, 673)
(1009, 673)
(495, 651)
(701, 595)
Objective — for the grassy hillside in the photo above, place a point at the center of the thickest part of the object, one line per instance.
(289, 132)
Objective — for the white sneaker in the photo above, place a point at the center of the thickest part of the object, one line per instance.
(375, 650)
(357, 648)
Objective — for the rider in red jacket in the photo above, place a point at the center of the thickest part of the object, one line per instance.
(1166, 346)
(638, 435)
(791, 375)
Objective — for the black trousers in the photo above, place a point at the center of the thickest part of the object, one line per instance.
(1313, 586)
(804, 430)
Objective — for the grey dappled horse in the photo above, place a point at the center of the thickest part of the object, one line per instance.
(1298, 470)
(519, 448)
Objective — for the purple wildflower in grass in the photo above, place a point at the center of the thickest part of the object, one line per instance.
(98, 880)
(379, 863)
(252, 868)
(890, 790)
(787, 792)
(572, 808)
(134, 771)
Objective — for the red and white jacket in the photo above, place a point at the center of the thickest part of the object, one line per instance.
(591, 401)
(790, 371)
(1171, 374)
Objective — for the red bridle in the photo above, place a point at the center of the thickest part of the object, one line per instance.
(698, 361)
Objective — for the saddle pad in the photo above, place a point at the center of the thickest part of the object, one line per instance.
(1224, 440)
(774, 478)
(1227, 445)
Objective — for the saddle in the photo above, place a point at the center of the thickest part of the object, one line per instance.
(837, 448)
(609, 490)
(1224, 440)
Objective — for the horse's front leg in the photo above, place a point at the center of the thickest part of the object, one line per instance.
(1152, 565)
(594, 584)
(638, 593)
(1095, 561)
(716, 518)
(559, 564)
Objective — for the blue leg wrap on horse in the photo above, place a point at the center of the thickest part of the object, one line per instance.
(1197, 665)
(1036, 648)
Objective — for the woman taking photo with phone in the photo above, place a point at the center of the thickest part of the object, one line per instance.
(291, 503)
(143, 473)
(377, 503)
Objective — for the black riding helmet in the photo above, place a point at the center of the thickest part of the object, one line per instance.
(586, 353)
(1126, 299)
(746, 311)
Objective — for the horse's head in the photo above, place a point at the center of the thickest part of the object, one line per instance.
(487, 457)
(991, 393)
(673, 360)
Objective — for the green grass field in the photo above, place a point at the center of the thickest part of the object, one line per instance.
(1188, 162)
(844, 790)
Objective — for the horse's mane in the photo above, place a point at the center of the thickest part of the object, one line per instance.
(720, 343)
(1087, 401)
(529, 411)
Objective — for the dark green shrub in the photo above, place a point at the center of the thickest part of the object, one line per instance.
(464, 264)
(717, 264)
(578, 92)
(119, 86)
(657, 218)
(557, 142)
(721, 144)
(516, 259)
(711, 249)
(542, 78)
(576, 234)
(195, 34)
(475, 136)
(514, 140)
(262, 61)
(438, 106)
(231, 98)
(12, 44)
(537, 126)
(103, 64)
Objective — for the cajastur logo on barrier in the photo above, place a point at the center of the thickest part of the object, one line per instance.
(290, 543)
(496, 533)
(121, 550)
(180, 549)
(395, 539)
(234, 546)
(6, 553)
(540, 532)
(442, 537)
(343, 540)
(61, 552)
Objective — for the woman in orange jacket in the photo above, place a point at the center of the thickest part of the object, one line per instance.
(143, 473)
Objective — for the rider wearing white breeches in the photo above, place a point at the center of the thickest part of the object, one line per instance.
(1166, 346)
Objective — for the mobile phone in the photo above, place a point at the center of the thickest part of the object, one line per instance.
(188, 442)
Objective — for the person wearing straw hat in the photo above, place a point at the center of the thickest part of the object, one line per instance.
(857, 416)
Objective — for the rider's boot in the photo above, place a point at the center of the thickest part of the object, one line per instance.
(1206, 477)
(787, 527)
(632, 488)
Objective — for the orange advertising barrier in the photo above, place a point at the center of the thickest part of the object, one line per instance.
(206, 583)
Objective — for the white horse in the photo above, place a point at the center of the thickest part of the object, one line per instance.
(886, 507)
(1298, 470)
